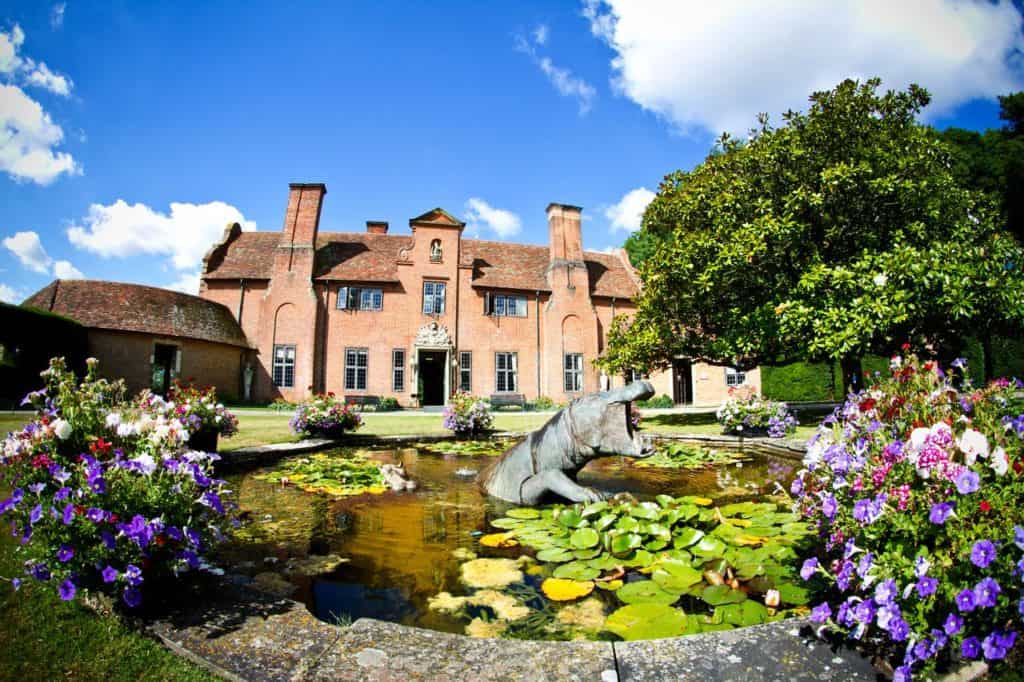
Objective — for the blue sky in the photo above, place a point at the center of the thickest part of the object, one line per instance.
(133, 131)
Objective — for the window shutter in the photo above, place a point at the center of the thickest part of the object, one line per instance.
(487, 303)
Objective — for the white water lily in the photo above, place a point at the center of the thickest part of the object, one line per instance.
(771, 598)
(973, 444)
(62, 428)
(1000, 463)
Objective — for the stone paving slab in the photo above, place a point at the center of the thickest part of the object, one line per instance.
(375, 651)
(786, 650)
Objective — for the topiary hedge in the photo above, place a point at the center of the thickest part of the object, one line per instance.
(29, 338)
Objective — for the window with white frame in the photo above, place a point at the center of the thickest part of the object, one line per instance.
(573, 372)
(355, 369)
(734, 377)
(506, 370)
(398, 370)
(433, 298)
(504, 305)
(284, 366)
(466, 371)
(360, 298)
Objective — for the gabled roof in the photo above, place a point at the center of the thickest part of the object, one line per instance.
(138, 308)
(436, 217)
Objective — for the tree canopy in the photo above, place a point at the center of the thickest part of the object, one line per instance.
(843, 232)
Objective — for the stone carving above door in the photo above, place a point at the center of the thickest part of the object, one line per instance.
(433, 335)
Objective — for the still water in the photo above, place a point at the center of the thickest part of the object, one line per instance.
(400, 545)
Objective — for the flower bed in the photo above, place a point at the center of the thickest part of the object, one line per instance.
(747, 414)
(197, 409)
(467, 415)
(324, 416)
(104, 494)
(915, 488)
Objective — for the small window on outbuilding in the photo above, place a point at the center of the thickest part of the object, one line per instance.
(734, 377)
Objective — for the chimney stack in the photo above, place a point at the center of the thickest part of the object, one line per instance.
(302, 218)
(376, 227)
(565, 233)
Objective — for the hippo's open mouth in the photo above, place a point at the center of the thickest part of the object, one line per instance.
(642, 445)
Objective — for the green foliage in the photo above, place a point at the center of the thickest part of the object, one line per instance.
(675, 455)
(841, 233)
(640, 246)
(388, 404)
(336, 476)
(29, 338)
(660, 402)
(799, 382)
(543, 402)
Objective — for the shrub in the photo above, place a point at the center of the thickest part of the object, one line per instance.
(747, 414)
(388, 404)
(282, 405)
(662, 401)
(467, 415)
(915, 489)
(543, 402)
(324, 416)
(105, 497)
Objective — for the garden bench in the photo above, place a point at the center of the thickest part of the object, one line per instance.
(500, 400)
(362, 400)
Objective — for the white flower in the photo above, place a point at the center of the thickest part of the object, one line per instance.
(881, 279)
(146, 462)
(126, 429)
(973, 444)
(113, 419)
(62, 429)
(771, 598)
(999, 461)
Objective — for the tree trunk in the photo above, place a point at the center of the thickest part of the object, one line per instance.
(853, 375)
(986, 347)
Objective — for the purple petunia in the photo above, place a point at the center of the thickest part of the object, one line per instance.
(967, 482)
(109, 574)
(132, 597)
(67, 590)
(970, 647)
(212, 500)
(899, 630)
(821, 613)
(36, 514)
(986, 592)
(1018, 537)
(65, 553)
(807, 570)
(69, 514)
(95, 515)
(133, 574)
(965, 601)
(983, 553)
(902, 674)
(108, 540)
(829, 506)
(926, 586)
(940, 512)
(997, 644)
(16, 583)
(953, 624)
(62, 494)
(886, 591)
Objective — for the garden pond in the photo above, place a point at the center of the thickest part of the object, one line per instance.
(678, 551)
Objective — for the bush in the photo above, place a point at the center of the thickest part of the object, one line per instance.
(467, 415)
(915, 488)
(388, 404)
(324, 416)
(105, 497)
(543, 402)
(746, 414)
(799, 382)
(28, 339)
(660, 402)
(282, 405)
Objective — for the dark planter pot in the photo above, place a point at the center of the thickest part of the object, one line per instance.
(204, 440)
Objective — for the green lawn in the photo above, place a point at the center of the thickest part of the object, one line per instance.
(43, 638)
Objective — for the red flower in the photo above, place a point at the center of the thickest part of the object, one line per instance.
(985, 506)
(160, 540)
(79, 509)
(905, 346)
(1018, 467)
(113, 518)
(867, 404)
(928, 366)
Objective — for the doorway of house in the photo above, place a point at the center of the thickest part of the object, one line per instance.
(682, 382)
(163, 367)
(431, 370)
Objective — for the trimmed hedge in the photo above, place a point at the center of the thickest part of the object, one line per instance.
(799, 382)
(30, 337)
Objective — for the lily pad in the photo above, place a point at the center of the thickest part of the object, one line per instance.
(793, 594)
(570, 518)
(576, 570)
(686, 537)
(555, 555)
(645, 592)
(561, 589)
(709, 547)
(523, 513)
(499, 540)
(625, 543)
(646, 621)
(584, 538)
(745, 613)
(588, 553)
(717, 595)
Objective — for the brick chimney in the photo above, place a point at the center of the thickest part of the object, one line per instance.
(376, 227)
(566, 236)
(302, 218)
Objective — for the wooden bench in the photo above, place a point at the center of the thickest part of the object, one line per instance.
(362, 400)
(500, 400)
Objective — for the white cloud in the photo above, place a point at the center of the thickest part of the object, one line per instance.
(714, 66)
(27, 139)
(63, 269)
(629, 211)
(9, 294)
(565, 82)
(40, 76)
(188, 283)
(57, 15)
(184, 235)
(29, 250)
(480, 214)
(26, 69)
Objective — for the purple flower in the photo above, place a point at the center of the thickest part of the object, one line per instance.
(986, 592)
(886, 591)
(982, 553)
(967, 482)
(133, 574)
(40, 572)
(211, 500)
(953, 624)
(898, 629)
(36, 488)
(1018, 536)
(902, 674)
(997, 644)
(67, 590)
(95, 515)
(926, 586)
(821, 613)
(845, 575)
(797, 487)
(109, 574)
(807, 570)
(65, 553)
(829, 506)
(69, 514)
(36, 514)
(865, 563)
(132, 597)
(922, 650)
(193, 538)
(62, 494)
(17, 496)
(108, 540)
(174, 533)
(940, 512)
(16, 583)
(965, 601)
(970, 648)
(862, 511)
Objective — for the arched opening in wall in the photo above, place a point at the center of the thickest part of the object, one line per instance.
(285, 347)
(572, 355)
(436, 252)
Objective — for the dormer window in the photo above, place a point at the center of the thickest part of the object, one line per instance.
(360, 298)
(436, 254)
(504, 305)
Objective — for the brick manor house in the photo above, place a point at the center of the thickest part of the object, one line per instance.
(419, 316)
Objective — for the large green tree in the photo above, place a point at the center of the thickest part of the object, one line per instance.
(843, 232)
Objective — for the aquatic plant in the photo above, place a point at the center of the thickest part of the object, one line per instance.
(676, 455)
(915, 489)
(337, 476)
(490, 447)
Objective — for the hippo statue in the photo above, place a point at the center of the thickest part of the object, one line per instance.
(547, 461)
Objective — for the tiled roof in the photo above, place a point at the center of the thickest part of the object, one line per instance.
(364, 257)
(137, 308)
